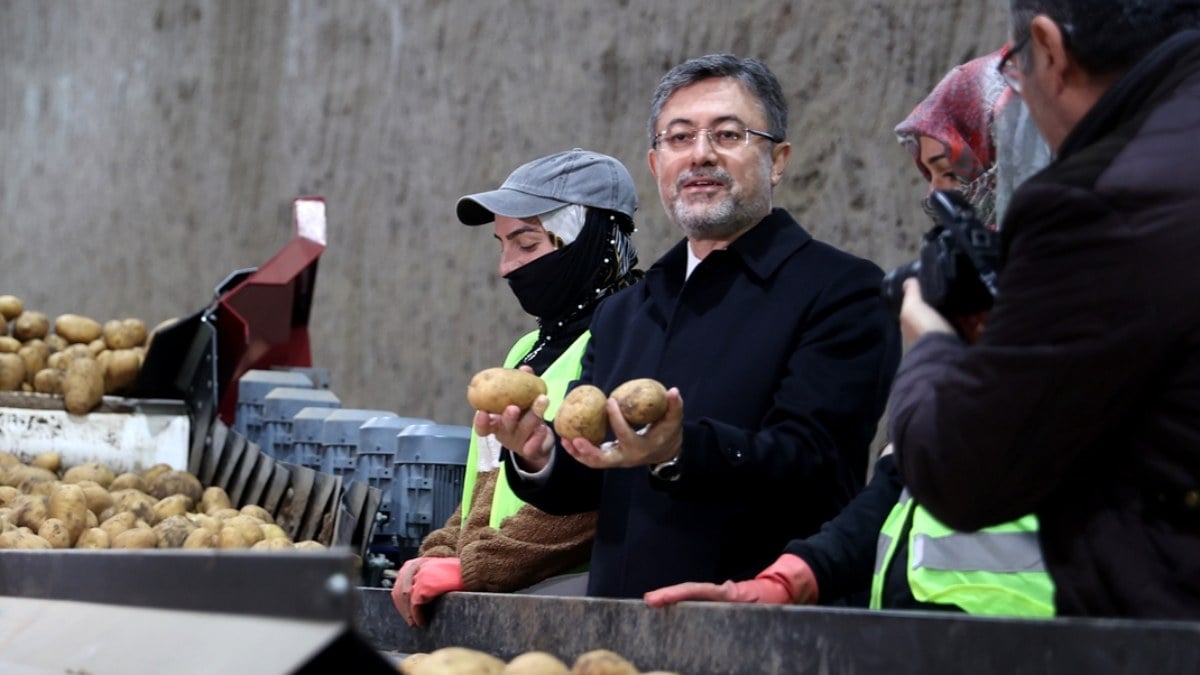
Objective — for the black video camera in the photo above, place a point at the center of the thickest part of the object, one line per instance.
(958, 263)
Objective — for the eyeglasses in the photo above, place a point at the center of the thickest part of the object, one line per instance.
(728, 138)
(1008, 67)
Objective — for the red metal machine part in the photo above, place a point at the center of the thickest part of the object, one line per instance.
(262, 321)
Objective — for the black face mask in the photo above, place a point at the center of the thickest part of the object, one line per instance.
(547, 287)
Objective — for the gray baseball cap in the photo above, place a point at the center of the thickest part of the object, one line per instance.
(551, 182)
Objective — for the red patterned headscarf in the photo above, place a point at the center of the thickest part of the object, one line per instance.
(959, 113)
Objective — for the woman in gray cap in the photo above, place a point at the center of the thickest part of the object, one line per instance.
(563, 224)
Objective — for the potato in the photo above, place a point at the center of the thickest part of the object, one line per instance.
(83, 387)
(128, 481)
(224, 514)
(249, 527)
(23, 538)
(642, 401)
(55, 531)
(602, 662)
(153, 471)
(30, 325)
(582, 415)
(93, 538)
(123, 334)
(25, 477)
(98, 499)
(12, 371)
(459, 660)
(256, 511)
(273, 531)
(97, 347)
(64, 358)
(309, 545)
(93, 471)
(173, 531)
(536, 663)
(92, 519)
(207, 522)
(273, 545)
(175, 505)
(214, 498)
(49, 381)
(39, 485)
(50, 461)
(136, 537)
(495, 389)
(11, 307)
(30, 511)
(138, 503)
(56, 343)
(410, 662)
(9, 345)
(173, 482)
(8, 459)
(200, 538)
(118, 523)
(7, 494)
(68, 504)
(34, 361)
(120, 369)
(232, 537)
(75, 328)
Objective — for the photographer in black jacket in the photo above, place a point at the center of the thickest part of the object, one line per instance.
(1081, 400)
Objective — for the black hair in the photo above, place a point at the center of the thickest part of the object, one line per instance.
(1109, 36)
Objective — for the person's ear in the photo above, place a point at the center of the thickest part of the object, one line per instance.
(1051, 63)
(780, 154)
(650, 158)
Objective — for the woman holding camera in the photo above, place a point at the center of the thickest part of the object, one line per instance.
(952, 135)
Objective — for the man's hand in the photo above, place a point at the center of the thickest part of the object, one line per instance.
(916, 317)
(421, 581)
(789, 580)
(524, 433)
(660, 442)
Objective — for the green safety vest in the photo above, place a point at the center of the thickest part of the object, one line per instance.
(997, 571)
(557, 376)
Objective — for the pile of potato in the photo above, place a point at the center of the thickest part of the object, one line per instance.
(462, 661)
(43, 506)
(81, 360)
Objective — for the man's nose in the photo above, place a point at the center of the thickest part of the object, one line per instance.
(703, 150)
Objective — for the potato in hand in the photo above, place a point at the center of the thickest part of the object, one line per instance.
(642, 401)
(495, 389)
(583, 415)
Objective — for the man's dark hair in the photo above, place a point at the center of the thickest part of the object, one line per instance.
(752, 73)
(1109, 36)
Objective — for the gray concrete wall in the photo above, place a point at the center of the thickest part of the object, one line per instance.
(148, 148)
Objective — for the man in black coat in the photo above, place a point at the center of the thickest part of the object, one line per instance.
(1081, 402)
(779, 345)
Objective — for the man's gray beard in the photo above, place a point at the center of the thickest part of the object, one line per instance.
(722, 220)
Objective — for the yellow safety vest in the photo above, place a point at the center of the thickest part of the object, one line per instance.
(997, 571)
(557, 376)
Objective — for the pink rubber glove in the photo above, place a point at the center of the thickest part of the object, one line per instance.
(430, 579)
(788, 580)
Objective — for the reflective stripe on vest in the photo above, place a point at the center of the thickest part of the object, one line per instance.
(557, 376)
(996, 571)
(1006, 552)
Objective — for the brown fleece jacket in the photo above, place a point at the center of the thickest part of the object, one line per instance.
(530, 545)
